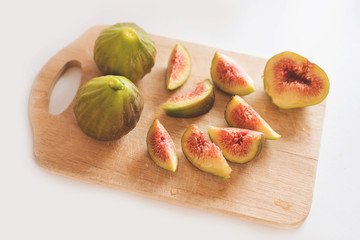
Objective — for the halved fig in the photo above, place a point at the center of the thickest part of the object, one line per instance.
(204, 154)
(192, 104)
(237, 145)
(292, 81)
(240, 114)
(229, 76)
(161, 147)
(179, 67)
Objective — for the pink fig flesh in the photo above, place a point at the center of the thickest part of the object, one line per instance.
(179, 67)
(229, 76)
(237, 145)
(241, 115)
(161, 147)
(204, 154)
(292, 81)
(192, 104)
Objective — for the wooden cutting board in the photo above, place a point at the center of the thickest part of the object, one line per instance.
(275, 188)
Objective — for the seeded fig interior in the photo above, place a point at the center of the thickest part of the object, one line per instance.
(203, 154)
(161, 147)
(285, 169)
(191, 104)
(179, 67)
(237, 145)
(292, 81)
(229, 76)
(240, 114)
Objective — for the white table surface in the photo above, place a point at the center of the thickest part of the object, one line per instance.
(36, 204)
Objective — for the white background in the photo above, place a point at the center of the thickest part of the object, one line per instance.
(35, 204)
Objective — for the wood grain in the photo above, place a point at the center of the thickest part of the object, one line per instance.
(276, 188)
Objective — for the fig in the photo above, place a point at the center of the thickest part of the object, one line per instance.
(161, 147)
(241, 115)
(108, 107)
(179, 67)
(237, 145)
(191, 104)
(204, 154)
(124, 49)
(229, 76)
(291, 81)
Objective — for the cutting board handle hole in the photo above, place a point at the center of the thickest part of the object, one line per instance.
(65, 86)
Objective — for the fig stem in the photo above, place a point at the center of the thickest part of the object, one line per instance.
(115, 84)
(129, 34)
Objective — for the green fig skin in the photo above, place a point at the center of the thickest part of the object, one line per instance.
(229, 76)
(240, 114)
(108, 107)
(179, 67)
(292, 81)
(192, 104)
(124, 49)
(237, 145)
(161, 147)
(204, 154)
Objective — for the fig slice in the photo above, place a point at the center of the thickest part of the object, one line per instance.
(161, 147)
(240, 114)
(204, 154)
(191, 104)
(229, 76)
(237, 145)
(292, 81)
(179, 67)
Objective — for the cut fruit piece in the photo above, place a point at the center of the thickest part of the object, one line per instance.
(192, 104)
(240, 114)
(160, 146)
(237, 145)
(229, 76)
(204, 154)
(292, 81)
(179, 67)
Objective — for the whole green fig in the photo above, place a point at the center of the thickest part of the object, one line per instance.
(108, 107)
(124, 49)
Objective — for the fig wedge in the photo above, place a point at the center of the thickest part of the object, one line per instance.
(240, 114)
(161, 147)
(229, 76)
(204, 154)
(237, 145)
(191, 104)
(179, 67)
